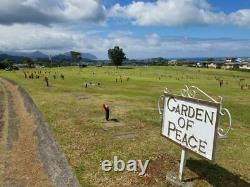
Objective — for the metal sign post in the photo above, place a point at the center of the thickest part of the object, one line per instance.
(182, 164)
(192, 123)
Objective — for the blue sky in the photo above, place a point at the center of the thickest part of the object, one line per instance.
(217, 31)
(144, 29)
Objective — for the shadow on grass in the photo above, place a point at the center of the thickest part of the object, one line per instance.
(114, 120)
(214, 174)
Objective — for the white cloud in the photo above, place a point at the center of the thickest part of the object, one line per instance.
(50, 11)
(241, 18)
(154, 39)
(68, 9)
(178, 13)
(57, 39)
(155, 46)
(160, 12)
(28, 37)
(53, 39)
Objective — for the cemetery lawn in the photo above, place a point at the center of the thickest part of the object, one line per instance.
(76, 118)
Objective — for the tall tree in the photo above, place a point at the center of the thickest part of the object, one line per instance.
(116, 55)
(76, 56)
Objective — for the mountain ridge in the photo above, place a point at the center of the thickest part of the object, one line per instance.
(36, 55)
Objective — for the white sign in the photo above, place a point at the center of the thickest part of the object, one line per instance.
(191, 123)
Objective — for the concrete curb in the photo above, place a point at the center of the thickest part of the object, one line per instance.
(53, 159)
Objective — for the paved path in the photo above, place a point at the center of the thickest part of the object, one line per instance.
(21, 162)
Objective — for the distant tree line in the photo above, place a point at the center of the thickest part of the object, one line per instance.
(5, 64)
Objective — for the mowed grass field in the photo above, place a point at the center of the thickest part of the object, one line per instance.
(76, 118)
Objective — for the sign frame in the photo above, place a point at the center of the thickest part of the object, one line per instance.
(196, 101)
(189, 94)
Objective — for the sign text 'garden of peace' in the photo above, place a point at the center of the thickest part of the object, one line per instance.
(191, 123)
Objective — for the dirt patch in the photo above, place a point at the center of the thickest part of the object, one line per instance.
(54, 160)
(13, 122)
(1, 112)
(112, 123)
(164, 165)
(1, 127)
(34, 158)
(125, 135)
(83, 97)
(1, 121)
(22, 166)
(158, 168)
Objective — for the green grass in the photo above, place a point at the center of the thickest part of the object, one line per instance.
(78, 124)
